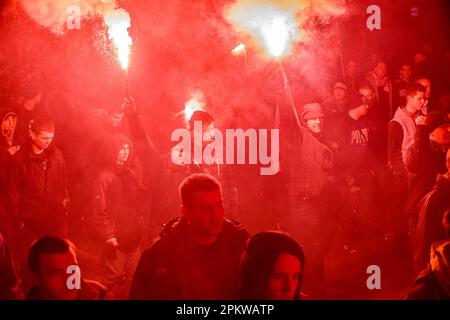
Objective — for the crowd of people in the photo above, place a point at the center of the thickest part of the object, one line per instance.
(387, 145)
(371, 163)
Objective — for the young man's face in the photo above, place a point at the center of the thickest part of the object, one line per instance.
(42, 139)
(417, 101)
(52, 277)
(339, 94)
(427, 84)
(205, 214)
(367, 96)
(285, 277)
(381, 70)
(315, 125)
(124, 154)
(405, 72)
(116, 119)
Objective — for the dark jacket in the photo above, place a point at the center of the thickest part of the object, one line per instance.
(38, 189)
(430, 228)
(424, 163)
(175, 268)
(90, 290)
(117, 202)
(356, 151)
(427, 287)
(433, 283)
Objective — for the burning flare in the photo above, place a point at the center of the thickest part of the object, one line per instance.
(196, 103)
(274, 27)
(118, 22)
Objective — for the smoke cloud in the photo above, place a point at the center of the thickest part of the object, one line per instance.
(53, 14)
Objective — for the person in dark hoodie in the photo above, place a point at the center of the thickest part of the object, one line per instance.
(118, 216)
(432, 209)
(29, 107)
(197, 255)
(272, 268)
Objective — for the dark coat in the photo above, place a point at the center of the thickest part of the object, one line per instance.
(117, 202)
(38, 190)
(174, 268)
(427, 287)
(424, 163)
(430, 228)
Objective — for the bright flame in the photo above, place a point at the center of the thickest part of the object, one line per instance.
(196, 103)
(240, 48)
(276, 35)
(118, 22)
(275, 27)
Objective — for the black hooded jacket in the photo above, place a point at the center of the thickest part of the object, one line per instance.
(117, 203)
(38, 189)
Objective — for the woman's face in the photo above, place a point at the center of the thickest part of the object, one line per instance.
(284, 279)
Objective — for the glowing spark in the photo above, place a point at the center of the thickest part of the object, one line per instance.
(118, 22)
(239, 49)
(196, 103)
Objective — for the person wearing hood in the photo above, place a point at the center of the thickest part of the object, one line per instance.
(433, 283)
(272, 268)
(432, 209)
(197, 255)
(29, 107)
(118, 214)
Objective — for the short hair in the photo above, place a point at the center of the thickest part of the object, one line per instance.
(404, 63)
(422, 78)
(49, 245)
(42, 124)
(383, 61)
(202, 116)
(365, 85)
(413, 88)
(197, 182)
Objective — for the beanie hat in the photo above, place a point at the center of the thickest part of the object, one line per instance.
(311, 111)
